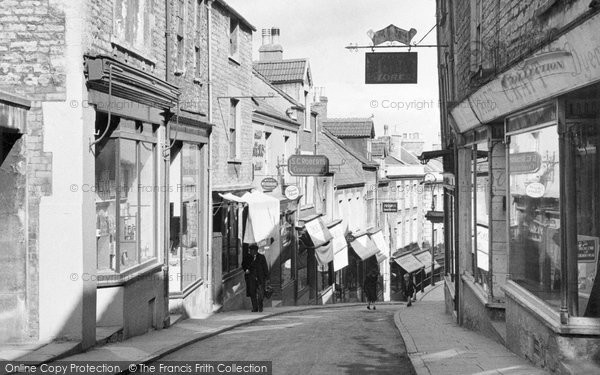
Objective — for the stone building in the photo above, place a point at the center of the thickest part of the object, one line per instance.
(519, 94)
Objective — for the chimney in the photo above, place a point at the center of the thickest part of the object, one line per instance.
(266, 36)
(320, 107)
(385, 129)
(270, 50)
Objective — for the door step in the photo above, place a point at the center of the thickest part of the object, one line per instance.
(108, 334)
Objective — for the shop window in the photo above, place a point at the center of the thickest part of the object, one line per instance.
(584, 148)
(302, 269)
(186, 255)
(535, 245)
(232, 233)
(126, 196)
(480, 212)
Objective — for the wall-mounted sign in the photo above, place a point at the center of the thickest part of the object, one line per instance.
(535, 190)
(308, 165)
(587, 249)
(269, 184)
(389, 207)
(291, 192)
(525, 162)
(435, 216)
(391, 67)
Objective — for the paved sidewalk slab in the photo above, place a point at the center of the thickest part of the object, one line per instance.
(437, 345)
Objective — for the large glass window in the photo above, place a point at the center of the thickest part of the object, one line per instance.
(126, 196)
(480, 210)
(535, 213)
(186, 256)
(586, 142)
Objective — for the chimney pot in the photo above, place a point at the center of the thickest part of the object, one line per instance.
(266, 36)
(275, 32)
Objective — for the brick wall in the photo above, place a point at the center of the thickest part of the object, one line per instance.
(230, 78)
(510, 32)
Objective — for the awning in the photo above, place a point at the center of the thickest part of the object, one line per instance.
(409, 263)
(364, 247)
(324, 254)
(263, 215)
(318, 232)
(382, 246)
(425, 258)
(340, 246)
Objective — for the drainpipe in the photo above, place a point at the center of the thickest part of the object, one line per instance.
(166, 216)
(209, 210)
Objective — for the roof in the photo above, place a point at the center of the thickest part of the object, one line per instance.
(391, 160)
(379, 149)
(345, 173)
(339, 143)
(236, 14)
(277, 89)
(408, 157)
(283, 71)
(350, 127)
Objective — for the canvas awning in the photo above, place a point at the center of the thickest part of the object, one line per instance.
(340, 246)
(409, 263)
(324, 254)
(425, 258)
(382, 246)
(318, 232)
(364, 246)
(263, 215)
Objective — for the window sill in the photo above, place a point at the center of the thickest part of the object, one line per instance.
(108, 280)
(234, 60)
(232, 274)
(234, 161)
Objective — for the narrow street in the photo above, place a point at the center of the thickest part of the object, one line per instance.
(349, 340)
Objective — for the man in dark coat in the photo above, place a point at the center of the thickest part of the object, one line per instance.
(257, 275)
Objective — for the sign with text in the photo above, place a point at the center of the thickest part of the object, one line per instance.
(389, 207)
(525, 162)
(269, 184)
(587, 249)
(391, 67)
(308, 165)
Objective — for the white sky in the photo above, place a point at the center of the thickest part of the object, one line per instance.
(320, 29)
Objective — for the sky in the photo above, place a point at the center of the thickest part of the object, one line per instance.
(321, 29)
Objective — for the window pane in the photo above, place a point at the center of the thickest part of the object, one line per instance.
(190, 231)
(585, 146)
(535, 213)
(287, 247)
(175, 221)
(147, 195)
(128, 190)
(106, 208)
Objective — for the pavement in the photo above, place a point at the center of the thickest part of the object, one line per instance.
(434, 342)
(437, 345)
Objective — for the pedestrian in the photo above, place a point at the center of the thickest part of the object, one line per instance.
(370, 286)
(409, 288)
(256, 272)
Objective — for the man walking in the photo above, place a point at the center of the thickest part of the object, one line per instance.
(257, 275)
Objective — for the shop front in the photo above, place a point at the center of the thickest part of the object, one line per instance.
(131, 108)
(188, 236)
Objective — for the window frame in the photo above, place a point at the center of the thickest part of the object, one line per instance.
(117, 135)
(234, 38)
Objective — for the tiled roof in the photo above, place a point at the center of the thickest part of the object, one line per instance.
(408, 157)
(357, 155)
(379, 149)
(390, 160)
(283, 71)
(345, 173)
(350, 127)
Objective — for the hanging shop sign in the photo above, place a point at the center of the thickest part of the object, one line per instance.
(525, 162)
(291, 192)
(389, 207)
(392, 33)
(391, 67)
(269, 184)
(435, 216)
(308, 165)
